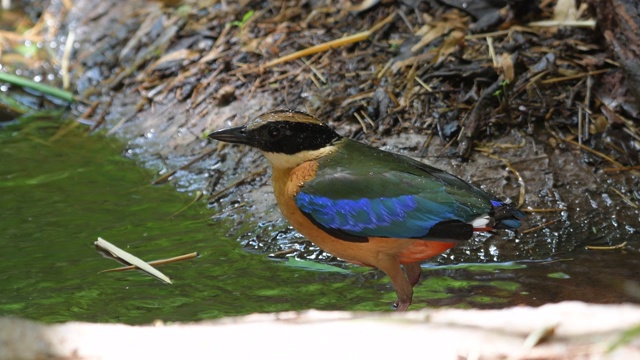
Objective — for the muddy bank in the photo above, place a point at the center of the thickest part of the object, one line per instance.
(163, 76)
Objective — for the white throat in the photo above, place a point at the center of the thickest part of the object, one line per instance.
(286, 161)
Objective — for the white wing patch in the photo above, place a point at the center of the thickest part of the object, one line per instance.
(482, 222)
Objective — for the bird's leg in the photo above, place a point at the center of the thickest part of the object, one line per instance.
(404, 290)
(414, 271)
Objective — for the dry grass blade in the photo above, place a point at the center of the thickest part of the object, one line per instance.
(87, 114)
(624, 168)
(613, 247)
(319, 48)
(543, 210)
(595, 152)
(131, 259)
(541, 226)
(433, 32)
(506, 32)
(347, 40)
(182, 55)
(573, 77)
(315, 71)
(62, 131)
(365, 5)
(491, 145)
(625, 198)
(492, 52)
(139, 107)
(163, 179)
(66, 59)
(155, 262)
(362, 123)
(591, 23)
(199, 195)
(357, 97)
(217, 194)
(283, 252)
(101, 117)
(423, 84)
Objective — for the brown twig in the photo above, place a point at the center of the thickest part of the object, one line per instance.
(543, 225)
(87, 114)
(155, 262)
(472, 123)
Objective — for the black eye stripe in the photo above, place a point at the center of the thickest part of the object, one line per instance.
(274, 132)
(291, 137)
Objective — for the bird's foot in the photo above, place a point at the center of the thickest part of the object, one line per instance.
(401, 305)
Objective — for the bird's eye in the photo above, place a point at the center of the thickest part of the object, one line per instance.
(274, 133)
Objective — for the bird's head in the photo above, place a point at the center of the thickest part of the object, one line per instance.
(287, 138)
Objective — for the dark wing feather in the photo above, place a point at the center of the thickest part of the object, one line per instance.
(362, 192)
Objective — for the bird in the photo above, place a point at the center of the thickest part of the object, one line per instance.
(365, 205)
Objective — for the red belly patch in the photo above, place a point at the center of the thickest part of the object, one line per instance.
(423, 250)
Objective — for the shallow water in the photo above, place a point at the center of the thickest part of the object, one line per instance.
(59, 196)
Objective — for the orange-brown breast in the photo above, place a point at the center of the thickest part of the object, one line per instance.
(287, 183)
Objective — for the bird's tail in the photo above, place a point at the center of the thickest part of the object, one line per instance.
(506, 216)
(501, 216)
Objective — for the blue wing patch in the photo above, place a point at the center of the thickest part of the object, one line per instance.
(496, 203)
(406, 216)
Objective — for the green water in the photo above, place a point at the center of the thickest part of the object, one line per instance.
(59, 196)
